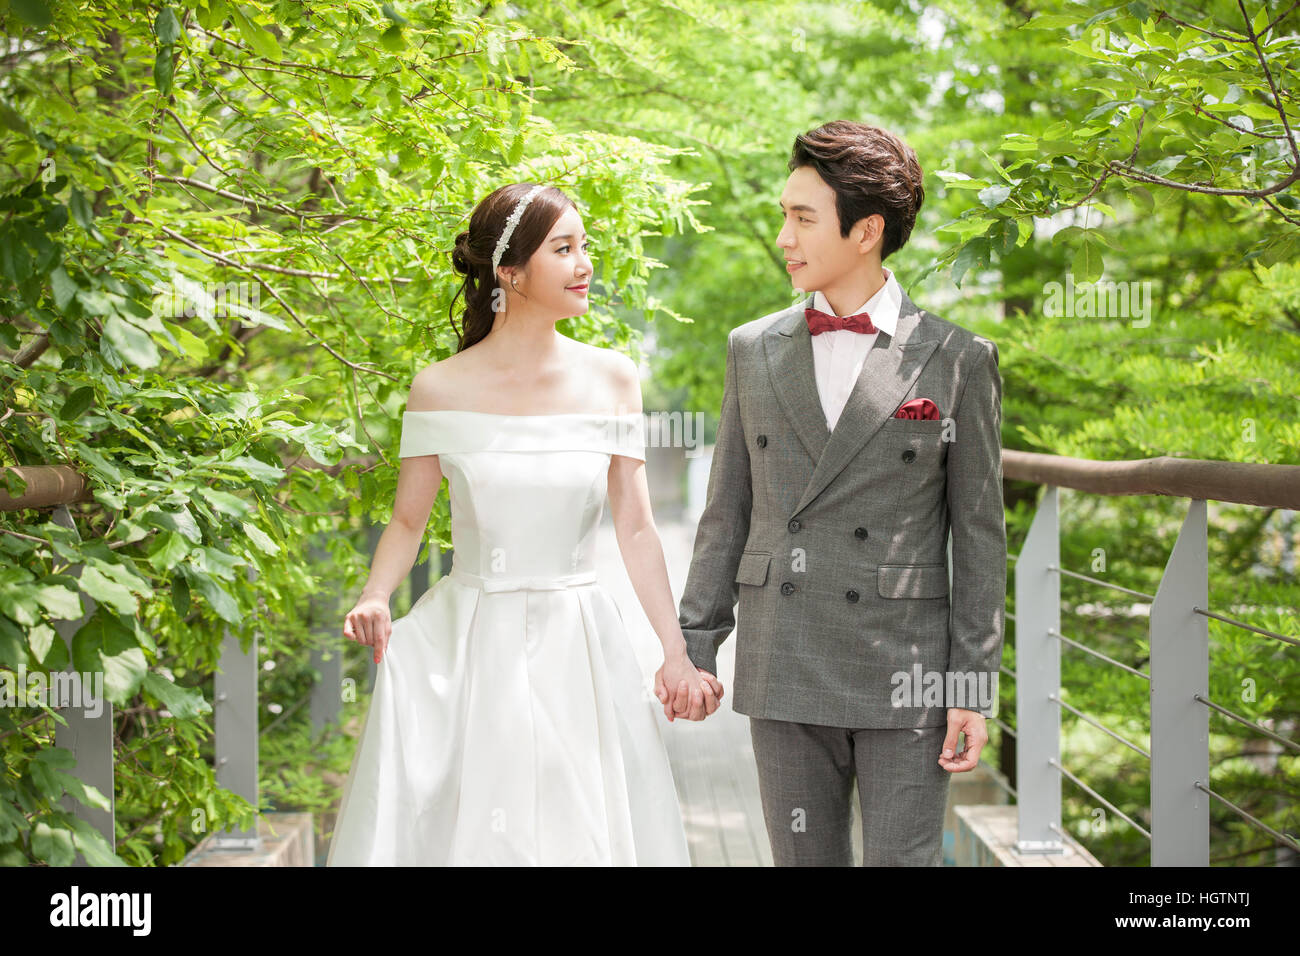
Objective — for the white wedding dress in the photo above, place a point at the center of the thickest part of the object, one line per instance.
(510, 723)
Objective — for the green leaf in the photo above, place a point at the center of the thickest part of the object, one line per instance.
(968, 228)
(262, 41)
(63, 287)
(168, 550)
(1105, 208)
(81, 792)
(1050, 21)
(1260, 111)
(35, 12)
(81, 210)
(392, 39)
(996, 165)
(77, 403)
(18, 601)
(183, 702)
(13, 649)
(225, 502)
(1088, 265)
(994, 195)
(251, 467)
(1261, 20)
(973, 253)
(264, 542)
(218, 597)
(107, 591)
(49, 648)
(104, 644)
(53, 846)
(1165, 165)
(162, 70)
(181, 602)
(11, 824)
(61, 602)
(166, 27)
(133, 344)
(92, 845)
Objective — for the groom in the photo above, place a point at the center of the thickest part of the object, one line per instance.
(857, 431)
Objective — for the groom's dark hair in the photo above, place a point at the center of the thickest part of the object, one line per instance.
(871, 170)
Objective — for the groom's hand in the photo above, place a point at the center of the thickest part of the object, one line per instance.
(680, 704)
(971, 723)
(712, 688)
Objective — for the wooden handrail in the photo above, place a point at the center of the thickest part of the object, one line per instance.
(47, 486)
(1247, 483)
(51, 485)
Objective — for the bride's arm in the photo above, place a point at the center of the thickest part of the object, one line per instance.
(419, 479)
(643, 553)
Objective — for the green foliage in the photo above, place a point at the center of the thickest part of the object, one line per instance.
(224, 246)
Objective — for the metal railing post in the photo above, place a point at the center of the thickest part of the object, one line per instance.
(327, 653)
(1038, 681)
(1180, 725)
(235, 722)
(88, 735)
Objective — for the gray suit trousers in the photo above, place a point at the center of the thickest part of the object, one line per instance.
(805, 779)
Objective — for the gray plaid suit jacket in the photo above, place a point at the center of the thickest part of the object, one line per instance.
(835, 543)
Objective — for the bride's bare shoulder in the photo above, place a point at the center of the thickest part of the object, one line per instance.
(434, 387)
(619, 374)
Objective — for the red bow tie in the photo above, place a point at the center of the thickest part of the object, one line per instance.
(819, 322)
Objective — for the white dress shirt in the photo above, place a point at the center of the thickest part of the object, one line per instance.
(838, 355)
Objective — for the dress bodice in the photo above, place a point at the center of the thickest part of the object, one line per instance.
(527, 491)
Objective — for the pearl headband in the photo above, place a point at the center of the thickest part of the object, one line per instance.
(504, 242)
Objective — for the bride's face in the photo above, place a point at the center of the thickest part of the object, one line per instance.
(557, 275)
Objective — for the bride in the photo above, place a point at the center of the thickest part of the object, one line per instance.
(509, 722)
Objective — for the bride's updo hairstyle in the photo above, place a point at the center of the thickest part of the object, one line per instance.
(472, 255)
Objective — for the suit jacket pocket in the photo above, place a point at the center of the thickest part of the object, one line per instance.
(753, 567)
(912, 580)
(933, 426)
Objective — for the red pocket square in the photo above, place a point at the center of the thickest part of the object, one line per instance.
(920, 408)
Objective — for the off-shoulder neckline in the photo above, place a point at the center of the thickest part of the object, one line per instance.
(465, 411)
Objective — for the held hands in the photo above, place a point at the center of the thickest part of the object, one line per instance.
(971, 723)
(370, 623)
(694, 692)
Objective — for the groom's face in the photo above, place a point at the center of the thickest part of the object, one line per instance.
(816, 254)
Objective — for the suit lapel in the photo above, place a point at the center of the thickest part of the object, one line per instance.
(888, 371)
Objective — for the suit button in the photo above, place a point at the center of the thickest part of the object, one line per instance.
(762, 441)
(909, 455)
(787, 588)
(860, 532)
(794, 524)
(852, 596)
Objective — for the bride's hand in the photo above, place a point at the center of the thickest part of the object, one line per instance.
(370, 623)
(694, 693)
